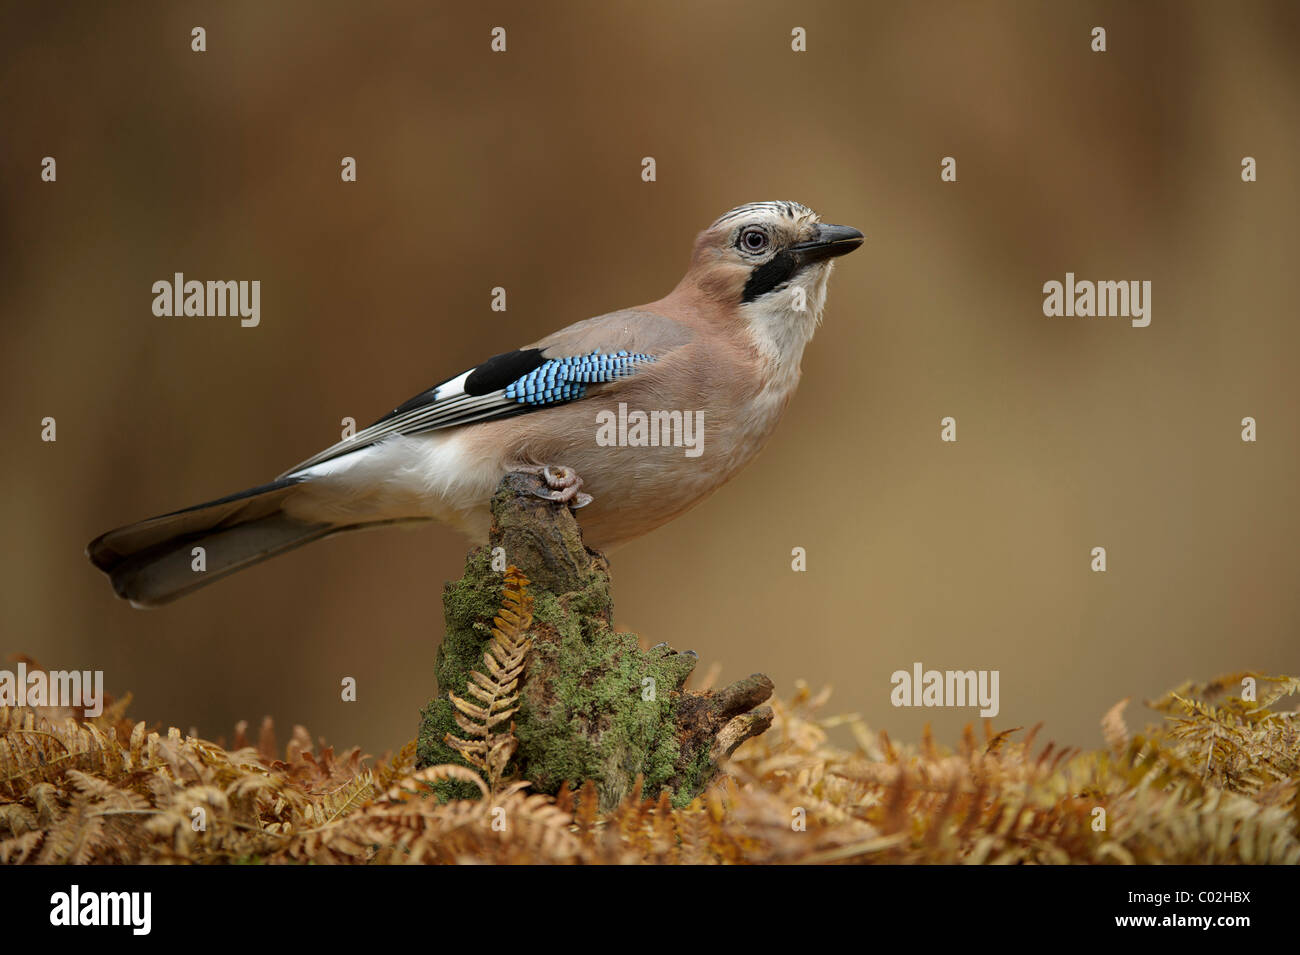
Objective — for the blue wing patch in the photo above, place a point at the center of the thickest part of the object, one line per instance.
(554, 381)
(565, 379)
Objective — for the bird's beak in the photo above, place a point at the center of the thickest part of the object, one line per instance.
(827, 242)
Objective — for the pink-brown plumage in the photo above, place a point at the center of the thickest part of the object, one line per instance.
(725, 344)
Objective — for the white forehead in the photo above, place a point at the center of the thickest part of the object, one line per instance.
(767, 211)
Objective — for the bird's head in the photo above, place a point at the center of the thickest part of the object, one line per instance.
(770, 261)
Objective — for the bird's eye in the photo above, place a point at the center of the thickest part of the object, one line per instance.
(753, 240)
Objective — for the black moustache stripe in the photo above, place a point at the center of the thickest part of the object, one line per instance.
(774, 272)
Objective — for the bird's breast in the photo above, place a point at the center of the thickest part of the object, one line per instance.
(645, 463)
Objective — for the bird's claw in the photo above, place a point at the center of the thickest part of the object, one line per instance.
(563, 483)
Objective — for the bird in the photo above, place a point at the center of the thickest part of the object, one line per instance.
(723, 349)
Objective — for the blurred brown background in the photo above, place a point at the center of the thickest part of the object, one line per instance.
(523, 170)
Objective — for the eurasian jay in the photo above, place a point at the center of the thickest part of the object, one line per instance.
(721, 351)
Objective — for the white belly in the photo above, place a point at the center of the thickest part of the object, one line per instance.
(430, 476)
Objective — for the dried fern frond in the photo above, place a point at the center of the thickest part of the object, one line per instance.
(1217, 781)
(496, 692)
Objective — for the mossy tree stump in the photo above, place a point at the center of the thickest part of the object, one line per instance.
(593, 704)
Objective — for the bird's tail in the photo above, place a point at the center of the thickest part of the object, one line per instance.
(154, 561)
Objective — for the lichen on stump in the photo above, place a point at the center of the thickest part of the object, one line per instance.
(593, 705)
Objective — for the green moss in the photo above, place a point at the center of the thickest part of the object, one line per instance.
(583, 714)
(584, 674)
(693, 777)
(593, 704)
(436, 721)
(469, 604)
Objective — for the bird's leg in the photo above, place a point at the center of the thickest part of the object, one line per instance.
(563, 482)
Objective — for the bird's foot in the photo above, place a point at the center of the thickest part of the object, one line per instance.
(563, 482)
